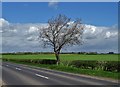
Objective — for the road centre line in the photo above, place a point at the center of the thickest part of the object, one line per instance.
(18, 68)
(41, 76)
(7, 65)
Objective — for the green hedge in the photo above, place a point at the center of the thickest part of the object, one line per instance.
(41, 61)
(113, 66)
(84, 64)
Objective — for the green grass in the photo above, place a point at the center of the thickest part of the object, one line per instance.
(67, 57)
(98, 73)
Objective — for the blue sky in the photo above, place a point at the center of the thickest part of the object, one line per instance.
(95, 13)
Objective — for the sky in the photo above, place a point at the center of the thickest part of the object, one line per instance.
(20, 21)
(38, 12)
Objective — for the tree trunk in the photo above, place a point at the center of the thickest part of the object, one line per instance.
(57, 58)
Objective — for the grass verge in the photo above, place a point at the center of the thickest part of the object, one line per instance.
(98, 73)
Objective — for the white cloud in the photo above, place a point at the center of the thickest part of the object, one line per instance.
(95, 32)
(24, 37)
(53, 3)
(3, 22)
(71, 22)
(33, 29)
(110, 34)
(32, 38)
(90, 28)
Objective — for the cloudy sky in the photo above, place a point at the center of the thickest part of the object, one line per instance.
(20, 21)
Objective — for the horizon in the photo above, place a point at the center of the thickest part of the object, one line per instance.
(63, 52)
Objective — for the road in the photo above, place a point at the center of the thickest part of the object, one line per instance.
(17, 74)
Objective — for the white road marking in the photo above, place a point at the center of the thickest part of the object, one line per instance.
(42, 76)
(18, 68)
(7, 65)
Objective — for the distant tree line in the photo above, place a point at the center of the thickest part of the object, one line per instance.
(87, 53)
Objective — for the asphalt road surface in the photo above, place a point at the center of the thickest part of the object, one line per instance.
(17, 74)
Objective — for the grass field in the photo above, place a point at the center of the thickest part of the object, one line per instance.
(66, 57)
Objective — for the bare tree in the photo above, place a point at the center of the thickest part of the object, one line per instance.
(61, 31)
